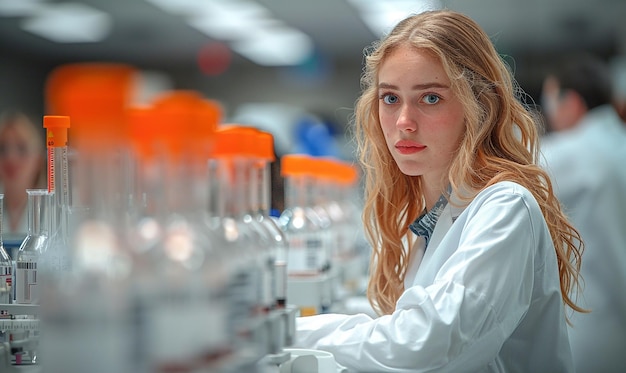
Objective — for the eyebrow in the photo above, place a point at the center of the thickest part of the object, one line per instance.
(416, 86)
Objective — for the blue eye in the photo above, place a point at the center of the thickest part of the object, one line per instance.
(431, 99)
(389, 98)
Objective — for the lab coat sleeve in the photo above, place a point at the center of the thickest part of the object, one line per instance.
(461, 320)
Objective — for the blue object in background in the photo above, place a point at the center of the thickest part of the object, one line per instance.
(315, 138)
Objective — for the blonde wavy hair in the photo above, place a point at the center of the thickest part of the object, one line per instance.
(500, 143)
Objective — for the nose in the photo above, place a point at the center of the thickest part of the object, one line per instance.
(406, 120)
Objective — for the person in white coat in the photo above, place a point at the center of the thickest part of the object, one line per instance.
(585, 155)
(473, 260)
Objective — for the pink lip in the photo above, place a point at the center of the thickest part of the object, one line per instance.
(409, 147)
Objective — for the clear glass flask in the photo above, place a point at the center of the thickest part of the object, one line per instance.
(31, 249)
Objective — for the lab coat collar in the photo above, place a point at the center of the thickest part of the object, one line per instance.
(453, 209)
(450, 213)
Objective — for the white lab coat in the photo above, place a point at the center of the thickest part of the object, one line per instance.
(485, 297)
(588, 167)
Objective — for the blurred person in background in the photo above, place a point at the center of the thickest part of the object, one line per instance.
(585, 155)
(22, 166)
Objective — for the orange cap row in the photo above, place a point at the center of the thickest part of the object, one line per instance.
(318, 167)
(178, 121)
(237, 140)
(96, 96)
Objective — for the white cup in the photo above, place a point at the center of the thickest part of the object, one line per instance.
(325, 360)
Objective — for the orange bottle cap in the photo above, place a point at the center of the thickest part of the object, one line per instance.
(234, 140)
(56, 130)
(189, 121)
(96, 96)
(295, 165)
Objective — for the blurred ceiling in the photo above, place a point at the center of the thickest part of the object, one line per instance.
(144, 34)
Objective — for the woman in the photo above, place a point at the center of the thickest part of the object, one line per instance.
(480, 282)
(22, 166)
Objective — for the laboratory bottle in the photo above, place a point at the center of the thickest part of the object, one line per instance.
(233, 201)
(189, 322)
(246, 176)
(244, 183)
(265, 156)
(87, 316)
(238, 259)
(34, 245)
(307, 255)
(6, 265)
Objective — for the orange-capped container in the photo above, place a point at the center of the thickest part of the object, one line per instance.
(296, 165)
(235, 140)
(188, 120)
(96, 96)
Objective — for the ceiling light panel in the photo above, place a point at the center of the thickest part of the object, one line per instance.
(381, 16)
(249, 28)
(19, 8)
(69, 23)
(280, 46)
(232, 21)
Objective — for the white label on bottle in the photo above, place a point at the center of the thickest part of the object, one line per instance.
(6, 279)
(26, 287)
(306, 253)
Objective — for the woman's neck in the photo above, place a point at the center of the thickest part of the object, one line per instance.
(432, 191)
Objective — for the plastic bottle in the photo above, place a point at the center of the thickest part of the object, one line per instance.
(243, 160)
